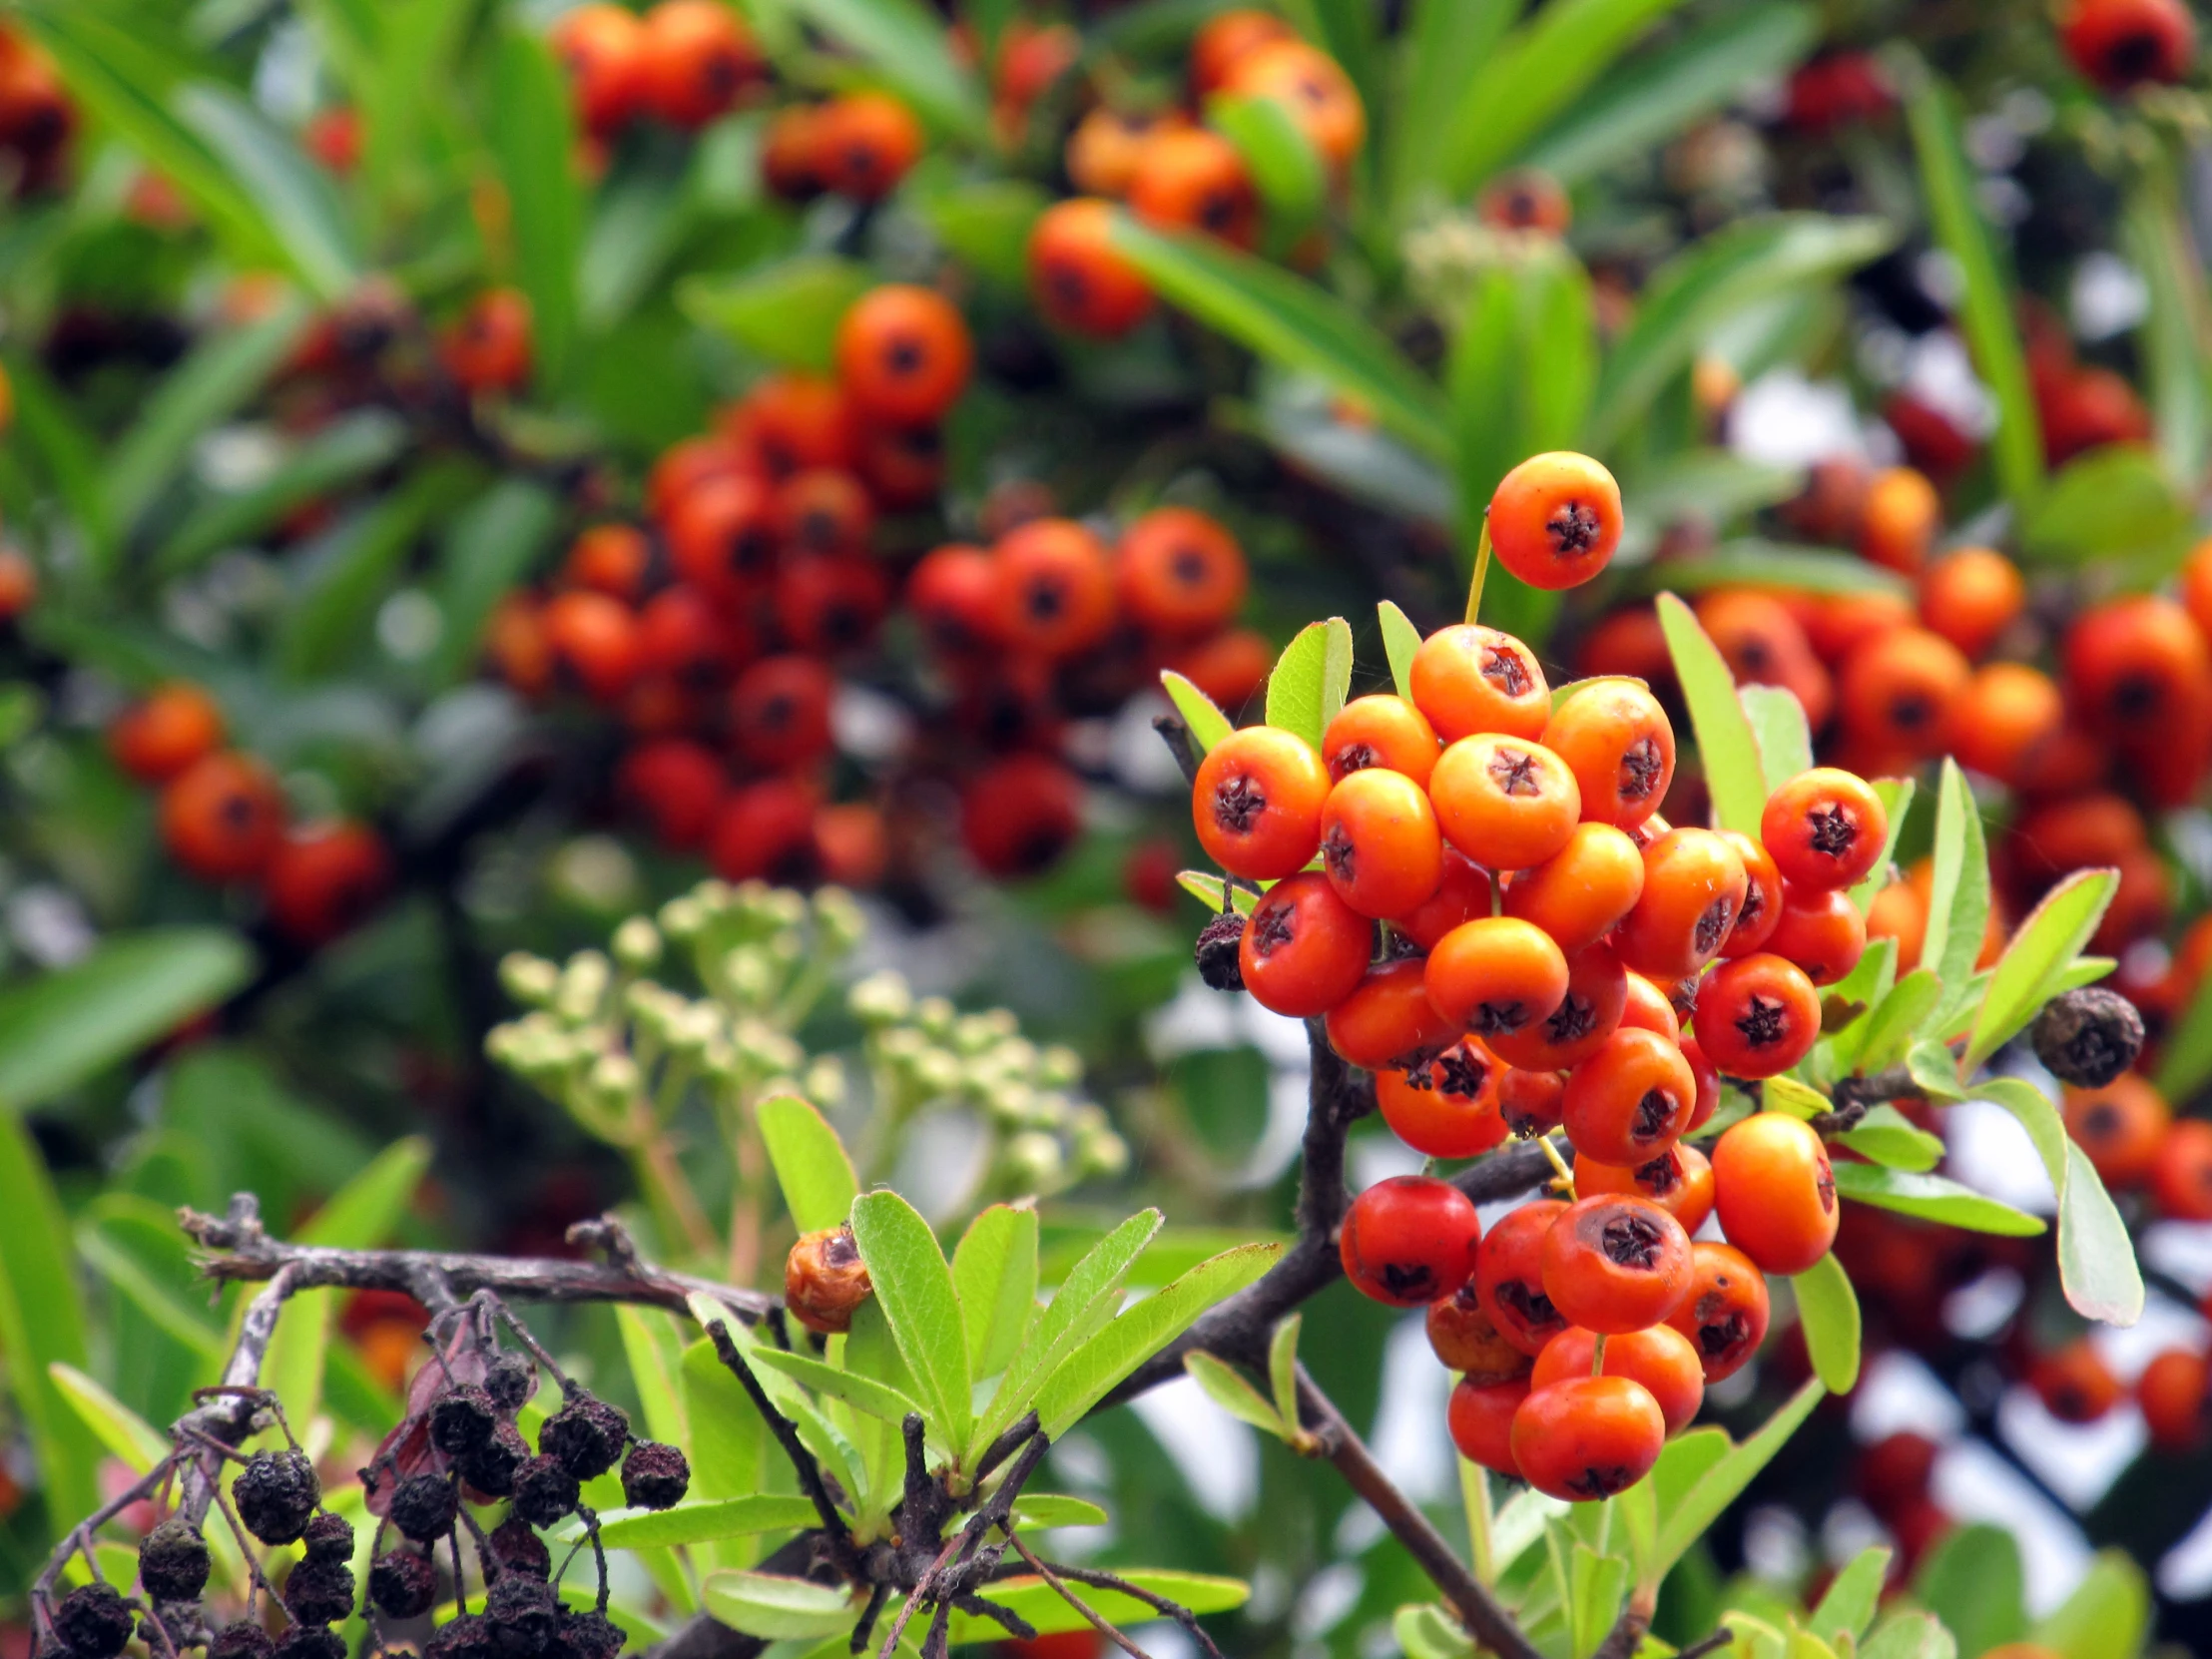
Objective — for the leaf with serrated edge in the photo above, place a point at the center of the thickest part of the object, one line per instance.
(1827, 1312)
(1724, 1481)
(1933, 1198)
(1401, 640)
(1724, 735)
(809, 1161)
(1225, 1387)
(994, 1270)
(1133, 1337)
(1208, 725)
(2040, 949)
(913, 1287)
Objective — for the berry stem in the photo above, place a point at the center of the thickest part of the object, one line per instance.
(1475, 1499)
(1482, 568)
(1562, 1177)
(1598, 1356)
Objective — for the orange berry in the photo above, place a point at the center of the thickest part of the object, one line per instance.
(1726, 1312)
(2074, 1383)
(322, 882)
(1495, 975)
(1588, 1437)
(1312, 87)
(1897, 519)
(1588, 1014)
(1305, 950)
(1821, 934)
(2173, 1391)
(223, 816)
(1631, 1100)
(1388, 1020)
(1694, 888)
(1445, 1106)
(2122, 1127)
(1619, 744)
(1679, 1179)
(1775, 1192)
(1055, 588)
(1381, 730)
(1019, 815)
(1658, 1357)
(697, 58)
(904, 354)
(1226, 40)
(1971, 596)
(1614, 1263)
(1379, 844)
(1896, 693)
(1824, 828)
(1525, 199)
(1759, 1015)
(1555, 519)
(1468, 679)
(1509, 1275)
(1505, 802)
(163, 733)
(1257, 803)
(1189, 179)
(1179, 572)
(602, 47)
(866, 143)
(1481, 1417)
(1462, 893)
(1579, 893)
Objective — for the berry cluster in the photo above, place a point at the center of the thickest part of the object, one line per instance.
(1549, 938)
(224, 819)
(682, 62)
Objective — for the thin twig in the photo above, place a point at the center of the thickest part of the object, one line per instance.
(1707, 1644)
(1090, 1614)
(1098, 1579)
(786, 1437)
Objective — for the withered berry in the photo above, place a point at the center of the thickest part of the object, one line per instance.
(308, 1641)
(319, 1592)
(328, 1538)
(588, 1635)
(509, 1381)
(586, 1434)
(490, 1467)
(825, 1280)
(522, 1615)
(2088, 1036)
(468, 1636)
(173, 1561)
(1216, 953)
(94, 1621)
(241, 1639)
(545, 1490)
(654, 1477)
(423, 1507)
(461, 1419)
(402, 1585)
(275, 1494)
(516, 1548)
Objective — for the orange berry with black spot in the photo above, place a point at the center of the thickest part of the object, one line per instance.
(1679, 1179)
(779, 710)
(687, 464)
(1530, 1101)
(1631, 1100)
(18, 580)
(1190, 178)
(1506, 803)
(1589, 1012)
(952, 592)
(1971, 596)
(594, 641)
(1179, 572)
(602, 47)
(1304, 949)
(791, 152)
(2074, 1383)
(1226, 40)
(2002, 717)
(488, 349)
(1658, 1357)
(2137, 666)
(2121, 1127)
(698, 60)
(903, 465)
(1496, 977)
(1763, 886)
(1379, 844)
(1257, 803)
(1897, 519)
(1555, 519)
(1694, 888)
(1619, 744)
(163, 733)
(1388, 1021)
(1055, 587)
(1759, 1015)
(1466, 1339)
(1614, 1263)
(1526, 198)
(2181, 1179)
(1726, 1311)
(1229, 668)
(1509, 1275)
(1410, 1239)
(2124, 44)
(1078, 278)
(1102, 152)
(1470, 679)
(1314, 89)
(792, 422)
(1380, 730)
(2174, 1392)
(1821, 934)
(865, 144)
(1588, 1437)
(1021, 814)
(1896, 693)
(830, 603)
(1824, 828)
(1775, 1192)
(1445, 1106)
(326, 881)
(764, 832)
(223, 816)
(611, 559)
(1764, 644)
(1580, 893)
(904, 354)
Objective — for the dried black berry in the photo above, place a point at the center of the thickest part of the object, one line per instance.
(461, 1420)
(319, 1592)
(468, 1636)
(423, 1507)
(308, 1641)
(589, 1635)
(328, 1538)
(94, 1621)
(402, 1585)
(586, 1434)
(544, 1490)
(516, 1548)
(2088, 1036)
(275, 1494)
(522, 1614)
(509, 1381)
(654, 1477)
(173, 1561)
(243, 1639)
(1215, 953)
(490, 1467)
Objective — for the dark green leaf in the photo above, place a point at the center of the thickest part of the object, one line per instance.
(488, 547)
(295, 198)
(909, 47)
(346, 576)
(66, 452)
(343, 453)
(862, 1393)
(1443, 46)
(2042, 948)
(42, 1323)
(533, 139)
(787, 312)
(1888, 1027)
(994, 1270)
(809, 1161)
(1521, 374)
(1933, 1198)
(1828, 1309)
(135, 1245)
(913, 1287)
(1724, 737)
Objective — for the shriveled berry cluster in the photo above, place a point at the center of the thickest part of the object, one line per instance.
(1556, 955)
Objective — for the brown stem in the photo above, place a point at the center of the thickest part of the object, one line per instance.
(1479, 1610)
(1180, 744)
(786, 1437)
(1854, 1097)
(1090, 1614)
(1097, 1579)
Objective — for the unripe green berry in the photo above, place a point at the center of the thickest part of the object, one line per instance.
(527, 978)
(881, 999)
(636, 944)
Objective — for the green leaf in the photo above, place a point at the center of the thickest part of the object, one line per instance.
(1725, 1477)
(1283, 1369)
(1208, 725)
(70, 458)
(862, 1393)
(1985, 311)
(343, 453)
(838, 1458)
(1335, 680)
(1225, 1387)
(1972, 1581)
(986, 226)
(1753, 561)
(487, 548)
(222, 373)
(2175, 343)
(1597, 1586)
(1897, 800)
(1724, 737)
(811, 1163)
(65, 1026)
(127, 1435)
(1521, 372)
(1959, 901)
(1443, 45)
(701, 1523)
(1427, 1631)
(1054, 1509)
(1847, 1606)
(2120, 498)
(2107, 1617)
(2096, 1258)
(767, 1604)
(1286, 169)
(1207, 889)
(913, 1287)
(1043, 1607)
(134, 1243)
(1910, 1636)
(1716, 278)
(2042, 948)
(1401, 640)
(353, 569)
(1085, 1300)
(1778, 726)
(1132, 1338)
(1298, 688)
(1644, 102)
(787, 312)
(1889, 1024)
(1291, 321)
(994, 1270)
(909, 48)
(654, 1347)
(296, 200)
(42, 1323)
(533, 140)
(1933, 1198)
(1828, 1309)
(1891, 1139)
(1537, 72)
(2187, 1060)
(1787, 1094)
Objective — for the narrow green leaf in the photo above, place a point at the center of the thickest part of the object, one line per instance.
(1726, 1477)
(341, 454)
(913, 1287)
(862, 1393)
(1207, 889)
(909, 47)
(1958, 900)
(1443, 45)
(986, 226)
(1778, 726)
(1132, 1338)
(654, 1347)
(2040, 948)
(1891, 1139)
(1225, 1387)
(1897, 800)
(702, 1523)
(1890, 1025)
(1286, 169)
(128, 1436)
(42, 1323)
(2175, 342)
(1973, 1581)
(2187, 1060)
(1754, 561)
(1786, 1094)
(994, 1270)
(729, 1444)
(767, 1604)
(1298, 689)
(1597, 1586)
(296, 199)
(63, 1027)
(836, 1452)
(352, 570)
(1055, 1510)
(2118, 498)
(1847, 1606)
(533, 140)
(1828, 1307)
(1208, 724)
(1401, 640)
(1044, 1608)
(134, 1243)
(1724, 737)
(1933, 1198)
(2107, 1617)
(67, 454)
(1283, 1369)
(810, 1165)
(1985, 311)
(1292, 323)
(787, 312)
(487, 549)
